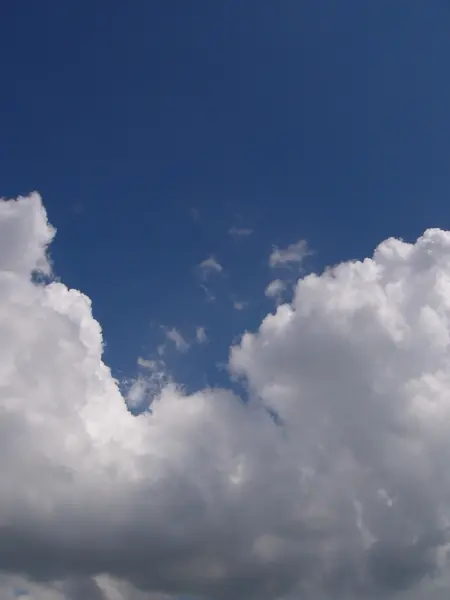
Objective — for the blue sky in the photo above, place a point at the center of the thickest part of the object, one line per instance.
(189, 154)
(326, 121)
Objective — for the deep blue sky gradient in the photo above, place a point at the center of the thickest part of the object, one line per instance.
(327, 120)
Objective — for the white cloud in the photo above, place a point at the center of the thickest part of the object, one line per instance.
(175, 336)
(24, 236)
(200, 335)
(152, 365)
(209, 295)
(240, 304)
(213, 497)
(141, 391)
(137, 393)
(294, 253)
(240, 231)
(357, 368)
(209, 266)
(275, 288)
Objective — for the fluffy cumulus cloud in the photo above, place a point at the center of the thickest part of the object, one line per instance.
(330, 481)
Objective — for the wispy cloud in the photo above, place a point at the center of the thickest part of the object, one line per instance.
(209, 266)
(175, 336)
(294, 253)
(209, 295)
(141, 390)
(240, 304)
(200, 335)
(151, 365)
(240, 231)
(275, 288)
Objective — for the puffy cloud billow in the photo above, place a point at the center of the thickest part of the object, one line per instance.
(332, 480)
